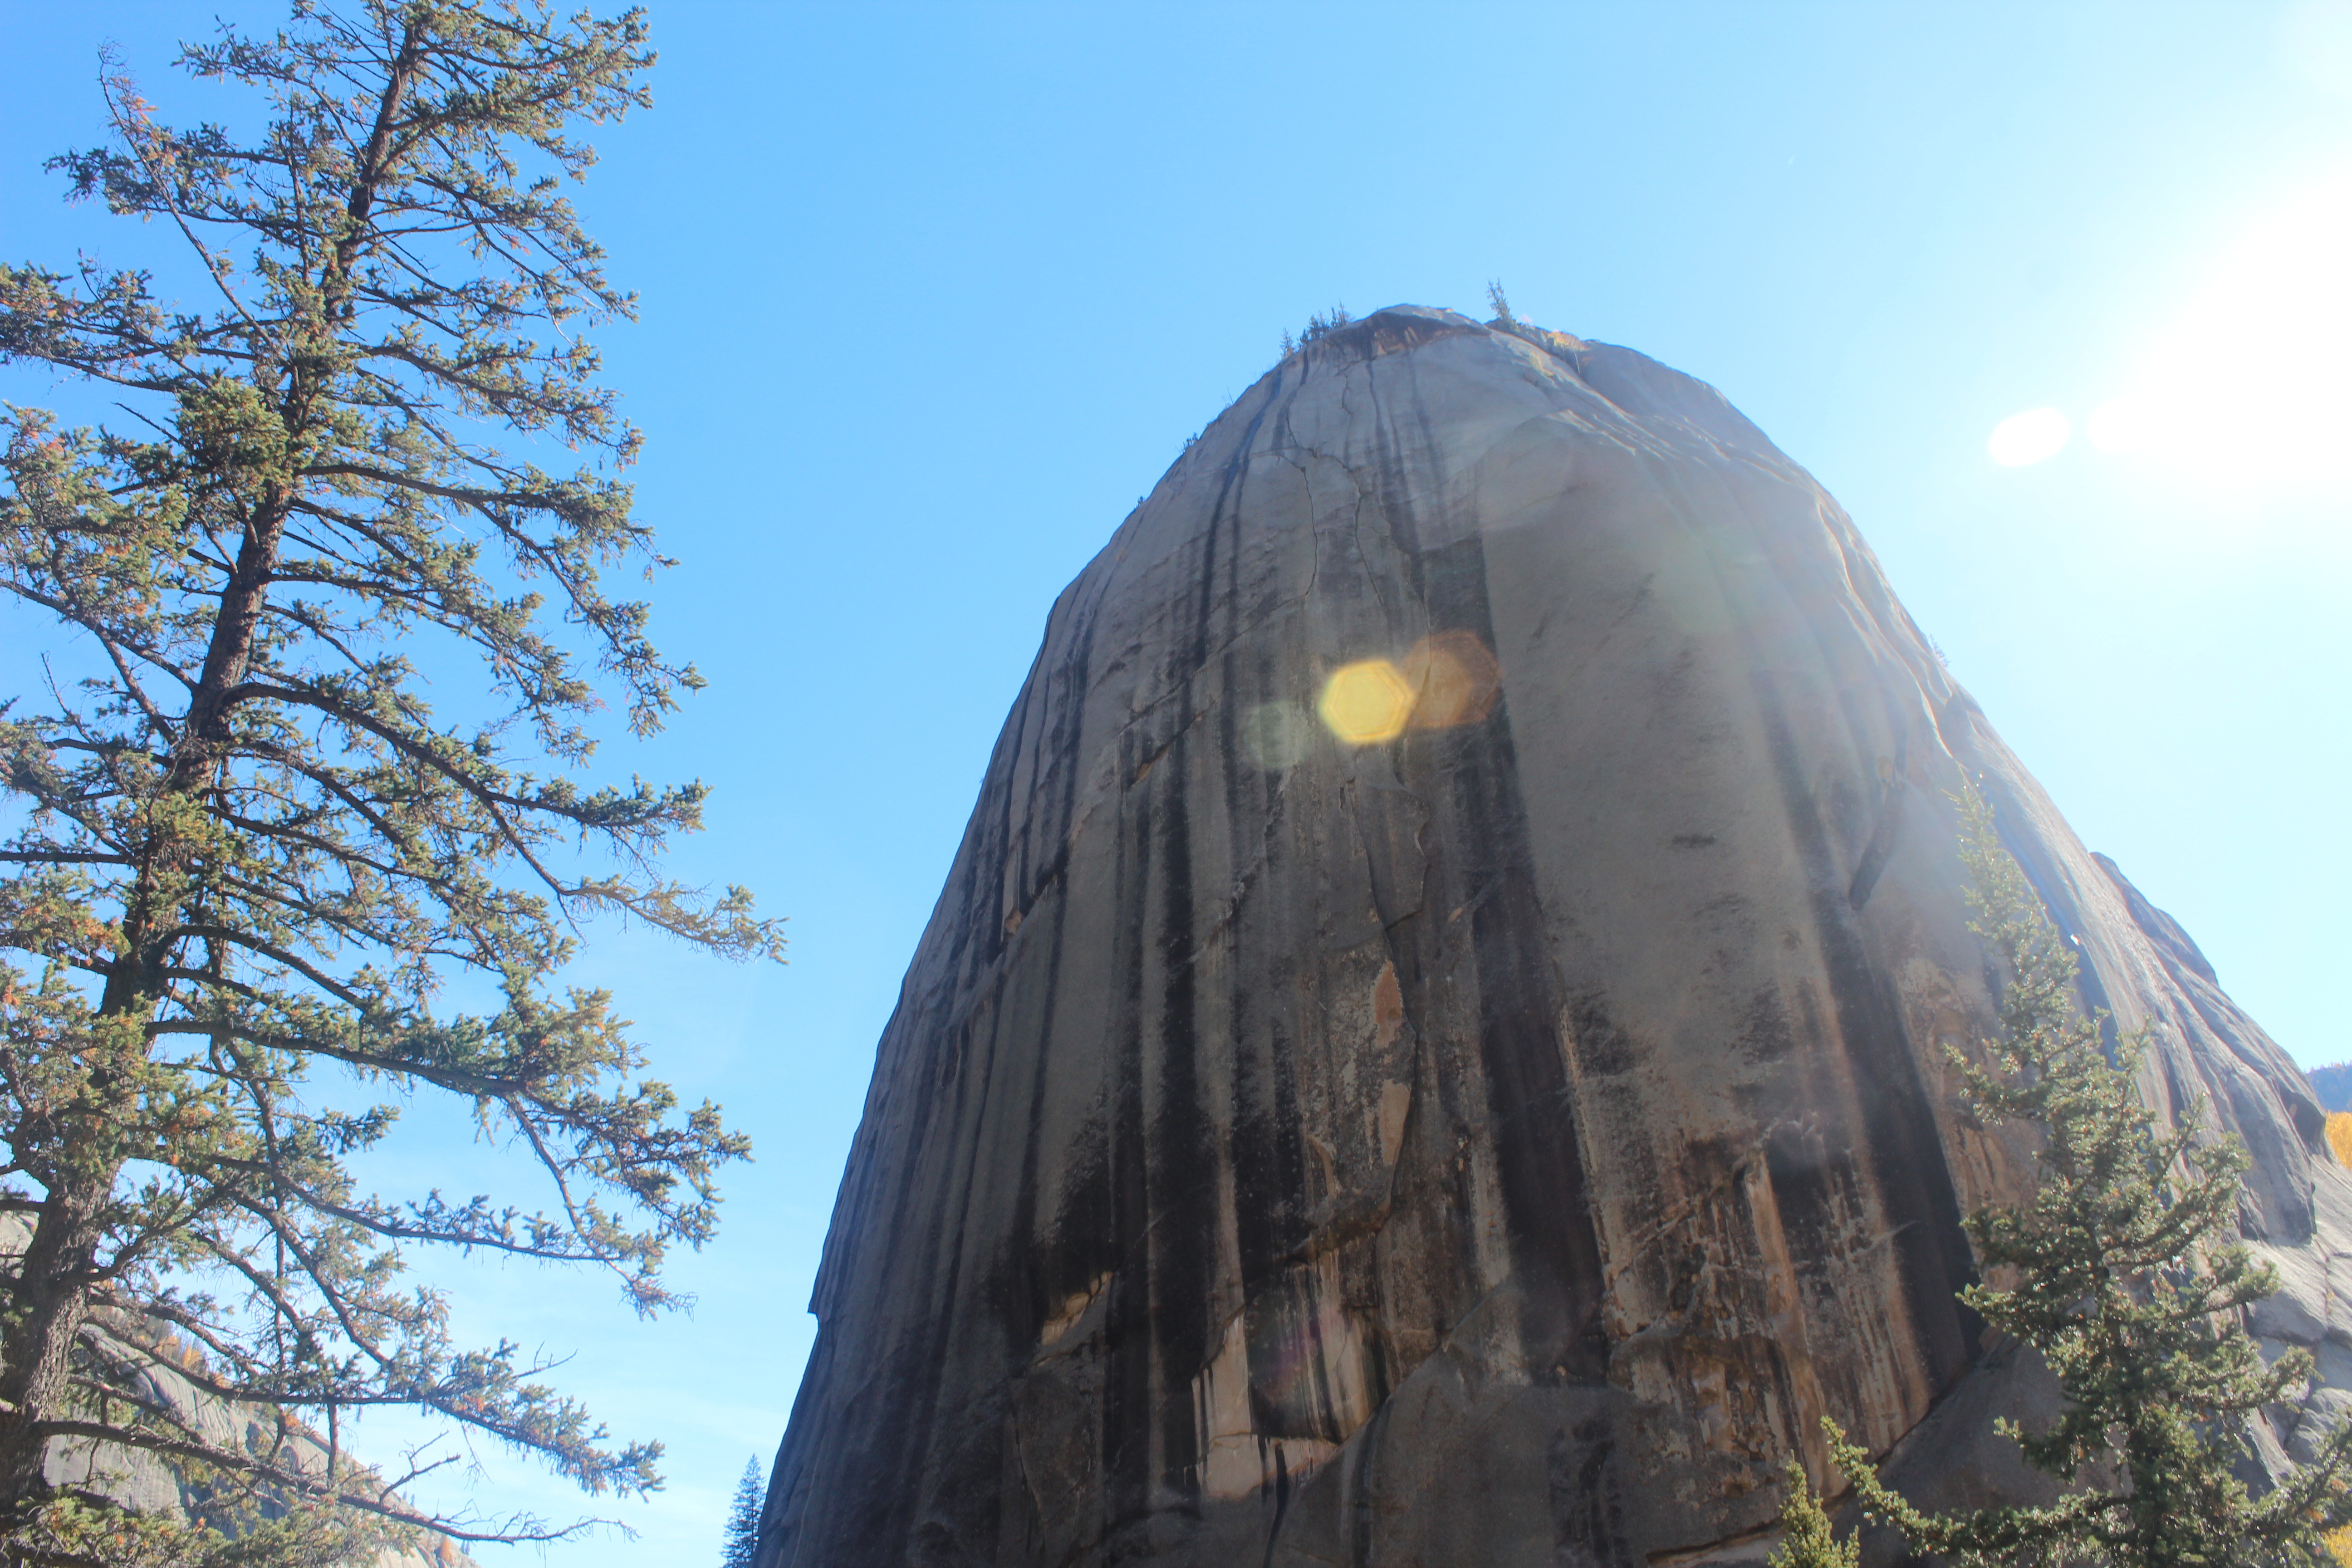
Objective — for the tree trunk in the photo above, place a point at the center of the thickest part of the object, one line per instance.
(51, 1303)
(51, 1298)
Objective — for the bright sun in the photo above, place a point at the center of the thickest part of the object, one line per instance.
(2028, 438)
(2251, 386)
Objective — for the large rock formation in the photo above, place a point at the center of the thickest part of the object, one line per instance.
(1492, 1141)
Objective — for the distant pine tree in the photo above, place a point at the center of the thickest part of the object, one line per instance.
(1323, 323)
(2129, 1282)
(743, 1519)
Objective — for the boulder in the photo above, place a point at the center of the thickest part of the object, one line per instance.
(1435, 1051)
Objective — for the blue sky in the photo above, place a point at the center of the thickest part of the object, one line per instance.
(932, 294)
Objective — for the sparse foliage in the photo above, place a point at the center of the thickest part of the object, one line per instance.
(1494, 297)
(1323, 323)
(246, 854)
(2129, 1282)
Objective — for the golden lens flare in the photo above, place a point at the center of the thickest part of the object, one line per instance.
(1454, 681)
(1449, 679)
(1366, 702)
(2339, 1135)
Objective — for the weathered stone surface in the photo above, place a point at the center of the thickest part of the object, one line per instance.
(1487, 1147)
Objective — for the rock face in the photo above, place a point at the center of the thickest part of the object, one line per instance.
(1492, 1142)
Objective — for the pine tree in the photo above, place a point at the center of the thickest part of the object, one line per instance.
(1501, 304)
(2129, 1282)
(1807, 1539)
(243, 855)
(743, 1519)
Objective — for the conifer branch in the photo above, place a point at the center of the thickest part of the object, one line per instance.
(2127, 1282)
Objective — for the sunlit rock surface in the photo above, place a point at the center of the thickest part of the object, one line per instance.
(1493, 1142)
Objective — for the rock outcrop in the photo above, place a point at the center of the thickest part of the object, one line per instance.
(142, 1480)
(1433, 1050)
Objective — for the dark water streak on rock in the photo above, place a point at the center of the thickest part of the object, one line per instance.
(1492, 1147)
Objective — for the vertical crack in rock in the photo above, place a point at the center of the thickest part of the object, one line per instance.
(1495, 1144)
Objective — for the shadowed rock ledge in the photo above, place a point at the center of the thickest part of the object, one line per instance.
(1494, 1146)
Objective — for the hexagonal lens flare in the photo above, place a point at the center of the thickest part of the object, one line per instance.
(1453, 679)
(1448, 680)
(1367, 701)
